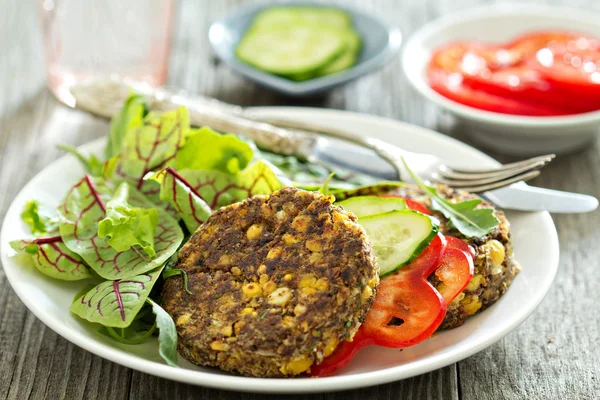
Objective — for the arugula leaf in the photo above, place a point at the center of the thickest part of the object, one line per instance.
(85, 206)
(39, 219)
(92, 164)
(324, 189)
(370, 190)
(167, 335)
(210, 150)
(52, 258)
(183, 197)
(131, 116)
(126, 226)
(116, 303)
(465, 216)
(220, 189)
(151, 147)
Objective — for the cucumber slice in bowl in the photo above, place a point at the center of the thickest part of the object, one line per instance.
(398, 237)
(363, 206)
(295, 49)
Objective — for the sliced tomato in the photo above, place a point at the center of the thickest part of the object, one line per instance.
(406, 311)
(577, 72)
(525, 83)
(527, 45)
(451, 85)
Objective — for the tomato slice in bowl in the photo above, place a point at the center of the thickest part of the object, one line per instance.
(452, 86)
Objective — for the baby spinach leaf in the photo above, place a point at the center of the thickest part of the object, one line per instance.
(116, 303)
(219, 189)
(125, 226)
(52, 258)
(370, 190)
(38, 218)
(151, 147)
(92, 164)
(167, 335)
(183, 197)
(209, 150)
(131, 116)
(81, 211)
(464, 215)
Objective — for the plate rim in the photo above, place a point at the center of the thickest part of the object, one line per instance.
(269, 385)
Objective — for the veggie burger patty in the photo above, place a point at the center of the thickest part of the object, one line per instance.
(277, 283)
(494, 264)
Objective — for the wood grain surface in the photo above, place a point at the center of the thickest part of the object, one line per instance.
(553, 355)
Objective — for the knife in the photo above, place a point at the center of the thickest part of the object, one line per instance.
(105, 98)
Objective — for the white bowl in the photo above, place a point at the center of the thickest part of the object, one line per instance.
(519, 135)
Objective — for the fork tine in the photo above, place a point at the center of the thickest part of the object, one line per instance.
(495, 185)
(546, 158)
(480, 178)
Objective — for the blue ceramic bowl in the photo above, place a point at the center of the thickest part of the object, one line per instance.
(380, 43)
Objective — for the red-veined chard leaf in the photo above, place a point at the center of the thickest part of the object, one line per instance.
(131, 116)
(151, 147)
(52, 258)
(125, 226)
(167, 334)
(183, 197)
(116, 303)
(81, 211)
(92, 164)
(206, 149)
(219, 189)
(39, 219)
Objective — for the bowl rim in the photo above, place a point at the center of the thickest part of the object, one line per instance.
(394, 41)
(481, 13)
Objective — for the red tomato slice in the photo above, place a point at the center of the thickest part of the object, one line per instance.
(526, 46)
(451, 85)
(577, 71)
(519, 83)
(406, 311)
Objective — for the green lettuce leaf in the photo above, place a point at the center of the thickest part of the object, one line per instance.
(126, 226)
(131, 116)
(167, 334)
(52, 258)
(92, 164)
(209, 150)
(151, 147)
(220, 189)
(116, 303)
(465, 216)
(85, 206)
(38, 218)
(192, 209)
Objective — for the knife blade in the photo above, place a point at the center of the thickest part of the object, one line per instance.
(106, 98)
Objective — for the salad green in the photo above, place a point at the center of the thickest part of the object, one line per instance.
(120, 226)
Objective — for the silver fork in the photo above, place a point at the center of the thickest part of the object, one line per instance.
(300, 139)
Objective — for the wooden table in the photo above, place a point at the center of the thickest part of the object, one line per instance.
(553, 355)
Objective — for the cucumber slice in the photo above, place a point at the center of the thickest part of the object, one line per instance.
(363, 206)
(285, 16)
(398, 237)
(291, 50)
(347, 58)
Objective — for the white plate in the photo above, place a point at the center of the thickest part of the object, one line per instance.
(535, 245)
(513, 134)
